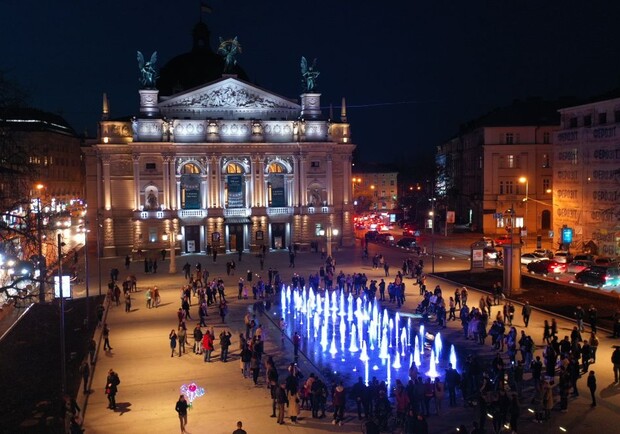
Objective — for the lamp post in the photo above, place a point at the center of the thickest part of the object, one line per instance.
(87, 275)
(63, 367)
(172, 237)
(42, 271)
(523, 180)
(328, 233)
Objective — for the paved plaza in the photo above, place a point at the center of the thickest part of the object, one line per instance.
(151, 379)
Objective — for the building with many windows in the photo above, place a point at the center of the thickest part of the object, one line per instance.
(586, 168)
(375, 189)
(225, 165)
(497, 172)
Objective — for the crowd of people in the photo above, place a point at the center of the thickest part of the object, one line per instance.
(497, 387)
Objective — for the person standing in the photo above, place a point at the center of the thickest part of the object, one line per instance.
(100, 312)
(106, 337)
(197, 339)
(592, 387)
(181, 409)
(111, 389)
(127, 302)
(182, 334)
(173, 341)
(526, 312)
(615, 360)
(207, 345)
(225, 343)
(579, 315)
(593, 317)
(92, 348)
(85, 371)
(281, 399)
(149, 297)
(296, 342)
(239, 429)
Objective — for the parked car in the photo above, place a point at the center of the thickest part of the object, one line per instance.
(546, 266)
(578, 265)
(584, 257)
(502, 239)
(543, 253)
(605, 261)
(526, 258)
(406, 242)
(384, 238)
(599, 276)
(408, 231)
(371, 235)
(563, 256)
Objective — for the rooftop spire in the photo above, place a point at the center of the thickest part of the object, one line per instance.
(343, 110)
(105, 113)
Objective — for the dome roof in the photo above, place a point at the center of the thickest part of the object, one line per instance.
(199, 66)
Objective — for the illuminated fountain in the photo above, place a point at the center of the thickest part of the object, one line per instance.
(337, 323)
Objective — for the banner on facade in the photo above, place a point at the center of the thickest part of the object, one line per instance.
(235, 191)
(190, 186)
(278, 198)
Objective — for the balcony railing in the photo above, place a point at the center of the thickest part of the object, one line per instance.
(195, 213)
(159, 214)
(280, 210)
(236, 212)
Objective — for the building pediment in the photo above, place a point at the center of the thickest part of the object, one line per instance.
(228, 98)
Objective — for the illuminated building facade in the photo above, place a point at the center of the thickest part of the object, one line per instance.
(586, 163)
(227, 166)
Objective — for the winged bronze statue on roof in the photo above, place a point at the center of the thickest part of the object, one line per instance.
(309, 75)
(229, 49)
(148, 75)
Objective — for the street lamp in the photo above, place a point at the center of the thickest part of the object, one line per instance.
(42, 271)
(172, 237)
(523, 180)
(328, 233)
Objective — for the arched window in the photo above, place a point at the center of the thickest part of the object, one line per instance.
(234, 188)
(190, 169)
(276, 186)
(190, 186)
(276, 168)
(234, 168)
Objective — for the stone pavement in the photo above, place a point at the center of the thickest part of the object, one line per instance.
(150, 378)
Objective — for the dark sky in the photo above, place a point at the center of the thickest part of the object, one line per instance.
(411, 71)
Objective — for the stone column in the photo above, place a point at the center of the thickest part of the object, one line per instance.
(346, 175)
(303, 194)
(219, 183)
(330, 183)
(251, 193)
(136, 181)
(203, 190)
(166, 182)
(173, 185)
(107, 184)
(99, 182)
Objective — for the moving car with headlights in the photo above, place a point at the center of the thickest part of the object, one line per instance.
(502, 239)
(543, 253)
(546, 266)
(599, 276)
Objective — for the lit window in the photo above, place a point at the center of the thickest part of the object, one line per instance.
(234, 168)
(510, 161)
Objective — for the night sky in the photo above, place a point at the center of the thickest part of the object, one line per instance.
(411, 71)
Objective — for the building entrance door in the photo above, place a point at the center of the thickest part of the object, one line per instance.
(235, 238)
(278, 236)
(192, 239)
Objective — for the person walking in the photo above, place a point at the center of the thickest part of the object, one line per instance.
(127, 302)
(181, 409)
(106, 337)
(173, 342)
(526, 312)
(207, 345)
(592, 387)
(149, 297)
(239, 429)
(92, 349)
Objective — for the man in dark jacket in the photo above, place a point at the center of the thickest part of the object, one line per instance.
(281, 400)
(112, 383)
(181, 409)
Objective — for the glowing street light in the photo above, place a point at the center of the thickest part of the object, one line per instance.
(523, 180)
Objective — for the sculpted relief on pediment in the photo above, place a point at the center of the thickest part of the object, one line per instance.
(229, 96)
